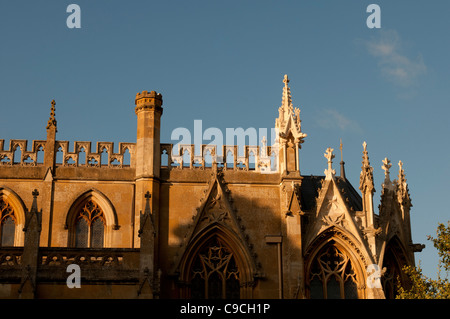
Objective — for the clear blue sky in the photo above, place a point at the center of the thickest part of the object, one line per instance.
(223, 62)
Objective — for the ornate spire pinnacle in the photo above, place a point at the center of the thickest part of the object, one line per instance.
(52, 121)
(365, 155)
(366, 176)
(342, 161)
(289, 117)
(329, 172)
(402, 186)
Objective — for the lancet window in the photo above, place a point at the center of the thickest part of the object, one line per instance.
(389, 280)
(7, 224)
(89, 226)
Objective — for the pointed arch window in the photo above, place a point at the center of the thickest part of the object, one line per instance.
(390, 279)
(7, 224)
(332, 275)
(89, 226)
(214, 272)
(393, 273)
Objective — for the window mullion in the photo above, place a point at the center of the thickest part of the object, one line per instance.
(89, 236)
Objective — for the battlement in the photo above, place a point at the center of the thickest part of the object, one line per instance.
(254, 158)
(11, 155)
(94, 159)
(146, 94)
(148, 100)
(104, 156)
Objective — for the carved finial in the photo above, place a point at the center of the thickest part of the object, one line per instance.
(33, 212)
(286, 102)
(286, 80)
(35, 193)
(386, 166)
(387, 180)
(52, 120)
(146, 216)
(329, 156)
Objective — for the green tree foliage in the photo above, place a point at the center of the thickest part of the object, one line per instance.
(422, 287)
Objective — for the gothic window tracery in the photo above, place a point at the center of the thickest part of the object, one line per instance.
(7, 224)
(332, 275)
(214, 272)
(89, 226)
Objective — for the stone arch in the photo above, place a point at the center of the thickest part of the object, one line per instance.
(109, 213)
(347, 254)
(9, 196)
(230, 243)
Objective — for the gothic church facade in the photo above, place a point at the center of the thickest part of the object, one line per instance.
(167, 224)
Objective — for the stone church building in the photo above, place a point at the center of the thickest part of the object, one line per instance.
(146, 220)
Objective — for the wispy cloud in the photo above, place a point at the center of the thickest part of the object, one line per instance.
(395, 66)
(332, 119)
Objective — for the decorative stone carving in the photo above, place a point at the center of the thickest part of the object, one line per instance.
(288, 120)
(329, 172)
(52, 120)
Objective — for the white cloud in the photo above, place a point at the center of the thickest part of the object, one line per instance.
(394, 65)
(332, 119)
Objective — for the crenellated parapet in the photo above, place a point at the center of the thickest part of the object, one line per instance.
(17, 154)
(94, 159)
(262, 159)
(12, 156)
